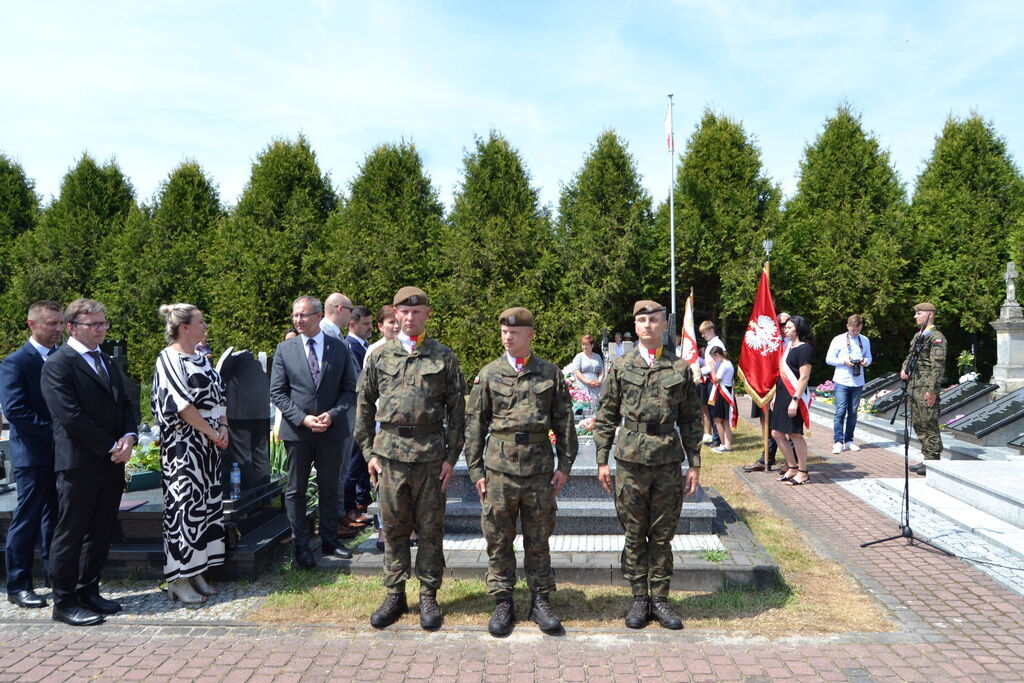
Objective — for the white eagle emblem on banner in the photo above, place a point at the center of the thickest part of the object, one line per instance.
(762, 335)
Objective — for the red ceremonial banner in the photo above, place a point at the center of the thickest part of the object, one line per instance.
(762, 346)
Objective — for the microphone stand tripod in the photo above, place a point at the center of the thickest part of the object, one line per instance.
(905, 530)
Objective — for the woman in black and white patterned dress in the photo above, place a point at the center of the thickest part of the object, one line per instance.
(188, 405)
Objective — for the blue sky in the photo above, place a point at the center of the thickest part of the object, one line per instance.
(156, 83)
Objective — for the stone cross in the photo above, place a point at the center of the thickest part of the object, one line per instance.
(1011, 287)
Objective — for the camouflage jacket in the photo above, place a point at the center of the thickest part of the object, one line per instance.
(661, 394)
(931, 363)
(504, 401)
(420, 389)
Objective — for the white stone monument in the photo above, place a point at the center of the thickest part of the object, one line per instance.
(1008, 374)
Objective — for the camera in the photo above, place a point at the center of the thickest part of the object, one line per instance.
(857, 362)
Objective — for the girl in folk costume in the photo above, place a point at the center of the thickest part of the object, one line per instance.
(722, 401)
(791, 406)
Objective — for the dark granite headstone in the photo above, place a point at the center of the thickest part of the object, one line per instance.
(116, 351)
(877, 384)
(989, 423)
(957, 398)
(248, 397)
(886, 404)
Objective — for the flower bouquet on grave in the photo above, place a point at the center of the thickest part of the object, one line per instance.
(869, 404)
(143, 470)
(586, 427)
(825, 391)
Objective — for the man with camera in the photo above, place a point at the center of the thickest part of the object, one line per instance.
(923, 370)
(850, 354)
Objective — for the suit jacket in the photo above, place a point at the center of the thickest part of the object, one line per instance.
(88, 416)
(293, 392)
(358, 350)
(22, 399)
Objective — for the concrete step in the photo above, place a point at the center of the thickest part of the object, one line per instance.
(876, 430)
(996, 488)
(729, 558)
(585, 516)
(960, 514)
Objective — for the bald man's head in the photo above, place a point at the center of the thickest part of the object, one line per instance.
(338, 309)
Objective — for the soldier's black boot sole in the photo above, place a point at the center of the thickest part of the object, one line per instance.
(390, 611)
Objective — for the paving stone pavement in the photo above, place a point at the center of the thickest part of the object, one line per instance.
(953, 624)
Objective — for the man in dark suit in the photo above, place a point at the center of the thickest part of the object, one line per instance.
(313, 384)
(31, 444)
(93, 435)
(357, 478)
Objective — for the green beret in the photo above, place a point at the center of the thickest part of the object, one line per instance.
(411, 296)
(516, 317)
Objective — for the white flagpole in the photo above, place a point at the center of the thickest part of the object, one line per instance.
(672, 204)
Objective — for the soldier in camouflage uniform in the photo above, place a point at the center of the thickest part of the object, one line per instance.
(414, 387)
(924, 382)
(651, 393)
(519, 397)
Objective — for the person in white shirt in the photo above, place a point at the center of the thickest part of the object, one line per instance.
(724, 407)
(707, 331)
(850, 354)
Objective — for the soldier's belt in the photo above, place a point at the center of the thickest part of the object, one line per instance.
(649, 427)
(411, 430)
(521, 437)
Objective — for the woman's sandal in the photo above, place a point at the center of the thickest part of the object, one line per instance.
(784, 472)
(794, 482)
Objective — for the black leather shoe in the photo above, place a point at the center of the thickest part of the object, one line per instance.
(77, 616)
(340, 552)
(430, 612)
(542, 614)
(27, 599)
(304, 559)
(639, 612)
(919, 469)
(99, 604)
(501, 621)
(390, 611)
(663, 614)
(756, 467)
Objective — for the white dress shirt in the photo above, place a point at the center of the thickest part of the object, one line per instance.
(844, 348)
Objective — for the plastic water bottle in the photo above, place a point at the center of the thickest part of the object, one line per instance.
(236, 481)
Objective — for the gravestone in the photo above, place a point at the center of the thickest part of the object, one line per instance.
(995, 424)
(875, 385)
(117, 350)
(1008, 372)
(247, 389)
(884, 405)
(966, 397)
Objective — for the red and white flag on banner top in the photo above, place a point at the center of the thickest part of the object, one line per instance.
(762, 346)
(668, 129)
(688, 350)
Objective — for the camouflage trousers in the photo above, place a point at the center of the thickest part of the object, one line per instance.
(531, 500)
(410, 499)
(648, 500)
(926, 424)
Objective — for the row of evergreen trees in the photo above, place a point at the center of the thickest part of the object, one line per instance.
(847, 241)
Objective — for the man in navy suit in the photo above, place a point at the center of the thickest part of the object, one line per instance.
(313, 384)
(31, 445)
(94, 432)
(357, 478)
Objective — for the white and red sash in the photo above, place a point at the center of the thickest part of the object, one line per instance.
(719, 390)
(790, 380)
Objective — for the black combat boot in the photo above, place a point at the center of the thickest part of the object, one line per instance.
(502, 619)
(393, 607)
(663, 613)
(430, 612)
(639, 612)
(542, 614)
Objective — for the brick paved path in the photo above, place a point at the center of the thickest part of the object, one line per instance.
(954, 624)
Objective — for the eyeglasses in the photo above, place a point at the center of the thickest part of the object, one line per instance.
(303, 316)
(94, 326)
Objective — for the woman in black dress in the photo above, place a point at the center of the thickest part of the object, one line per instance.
(789, 412)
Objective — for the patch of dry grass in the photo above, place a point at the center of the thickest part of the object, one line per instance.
(816, 595)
